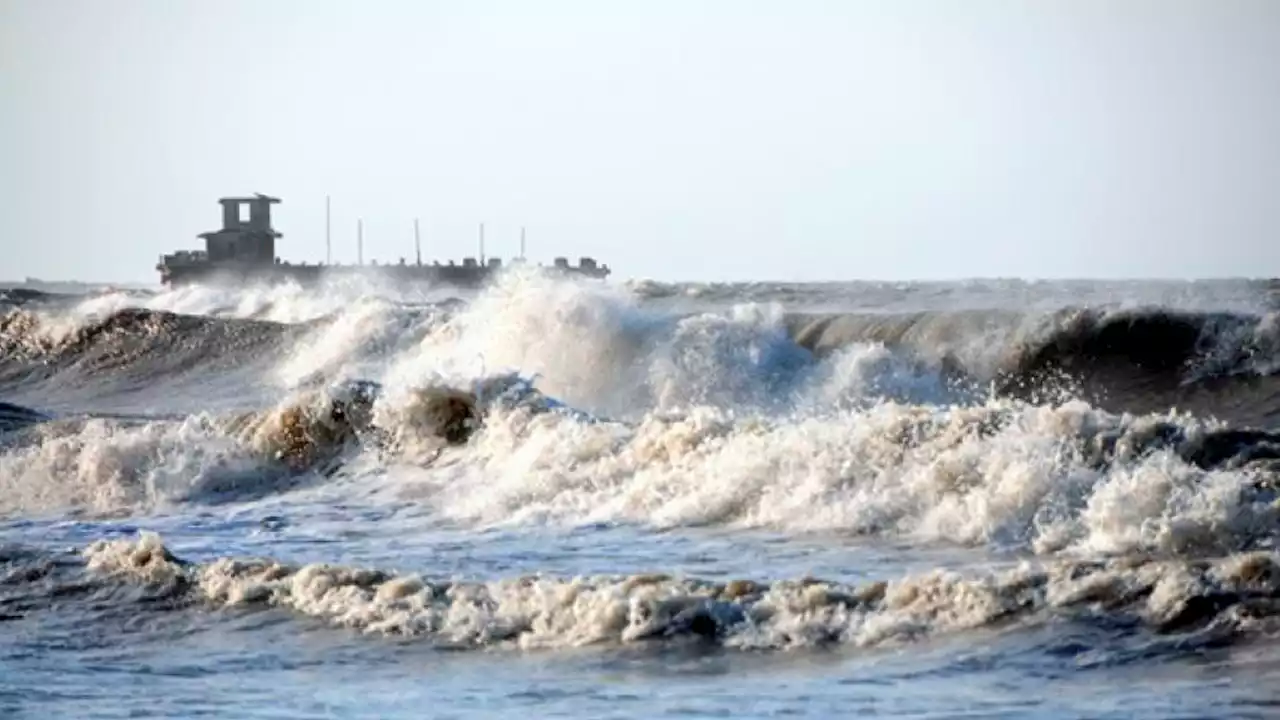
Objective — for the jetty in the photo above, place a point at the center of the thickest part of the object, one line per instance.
(244, 250)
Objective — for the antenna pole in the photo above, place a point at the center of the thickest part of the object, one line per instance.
(360, 242)
(417, 241)
(328, 238)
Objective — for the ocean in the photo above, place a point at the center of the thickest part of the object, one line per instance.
(577, 499)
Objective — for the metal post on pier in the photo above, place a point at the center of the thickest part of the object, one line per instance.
(417, 241)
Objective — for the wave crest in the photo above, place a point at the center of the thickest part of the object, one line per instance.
(1219, 598)
(1132, 360)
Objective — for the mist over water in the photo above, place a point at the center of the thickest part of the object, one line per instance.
(901, 498)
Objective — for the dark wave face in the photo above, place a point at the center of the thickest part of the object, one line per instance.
(129, 351)
(1140, 361)
(17, 297)
(54, 362)
(15, 417)
(128, 336)
(1220, 364)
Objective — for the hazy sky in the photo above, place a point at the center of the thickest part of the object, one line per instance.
(787, 140)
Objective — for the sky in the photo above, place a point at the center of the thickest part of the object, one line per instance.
(673, 140)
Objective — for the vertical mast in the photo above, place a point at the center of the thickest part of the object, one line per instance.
(417, 241)
(482, 244)
(360, 242)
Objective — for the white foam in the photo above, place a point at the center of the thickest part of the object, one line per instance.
(356, 342)
(102, 466)
(537, 612)
(581, 339)
(593, 346)
(1000, 473)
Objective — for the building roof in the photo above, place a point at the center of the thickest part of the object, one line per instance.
(237, 231)
(256, 197)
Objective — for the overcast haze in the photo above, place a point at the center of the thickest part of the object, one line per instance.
(672, 140)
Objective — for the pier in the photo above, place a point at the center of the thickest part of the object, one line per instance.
(244, 249)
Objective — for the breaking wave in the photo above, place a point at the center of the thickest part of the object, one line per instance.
(1047, 480)
(1171, 602)
(1126, 360)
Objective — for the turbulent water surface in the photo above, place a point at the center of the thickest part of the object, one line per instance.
(930, 500)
